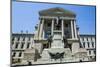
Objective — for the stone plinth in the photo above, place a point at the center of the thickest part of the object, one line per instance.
(57, 41)
(46, 57)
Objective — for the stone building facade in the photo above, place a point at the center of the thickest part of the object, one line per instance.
(89, 43)
(55, 40)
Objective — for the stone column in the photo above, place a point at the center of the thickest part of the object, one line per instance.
(62, 32)
(52, 27)
(72, 31)
(57, 20)
(43, 33)
(41, 28)
(62, 27)
(75, 29)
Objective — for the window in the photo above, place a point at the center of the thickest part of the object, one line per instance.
(83, 39)
(23, 38)
(90, 52)
(18, 38)
(20, 54)
(88, 44)
(19, 60)
(12, 43)
(29, 39)
(48, 24)
(16, 46)
(22, 45)
(87, 39)
(93, 44)
(14, 54)
(94, 52)
(12, 38)
(66, 25)
(91, 57)
(84, 44)
(28, 45)
(91, 38)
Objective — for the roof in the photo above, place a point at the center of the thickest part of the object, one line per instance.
(57, 11)
(87, 35)
(32, 35)
(22, 35)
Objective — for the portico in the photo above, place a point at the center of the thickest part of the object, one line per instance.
(58, 25)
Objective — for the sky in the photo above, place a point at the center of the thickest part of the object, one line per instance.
(25, 16)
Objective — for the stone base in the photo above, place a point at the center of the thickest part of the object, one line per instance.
(46, 58)
(68, 56)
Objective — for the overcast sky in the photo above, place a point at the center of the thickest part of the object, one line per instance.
(25, 16)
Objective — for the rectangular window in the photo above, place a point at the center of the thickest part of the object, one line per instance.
(23, 38)
(28, 44)
(93, 44)
(12, 43)
(87, 39)
(88, 44)
(94, 52)
(66, 24)
(22, 45)
(84, 44)
(83, 39)
(89, 52)
(12, 38)
(29, 39)
(48, 24)
(14, 54)
(20, 54)
(18, 38)
(91, 57)
(91, 39)
(16, 46)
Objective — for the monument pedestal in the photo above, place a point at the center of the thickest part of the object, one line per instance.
(50, 55)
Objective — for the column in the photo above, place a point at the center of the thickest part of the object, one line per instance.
(41, 28)
(62, 27)
(52, 27)
(43, 33)
(72, 31)
(57, 20)
(62, 23)
(75, 29)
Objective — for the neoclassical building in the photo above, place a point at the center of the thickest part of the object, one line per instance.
(55, 40)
